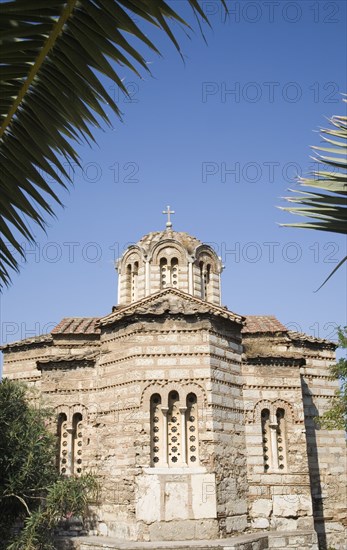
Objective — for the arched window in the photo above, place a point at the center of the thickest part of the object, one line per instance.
(164, 273)
(168, 273)
(202, 285)
(131, 281)
(174, 272)
(62, 458)
(265, 426)
(134, 281)
(70, 443)
(274, 440)
(281, 439)
(128, 283)
(174, 431)
(205, 280)
(76, 444)
(192, 444)
(156, 421)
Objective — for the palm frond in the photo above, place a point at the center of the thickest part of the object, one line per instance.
(51, 55)
(329, 210)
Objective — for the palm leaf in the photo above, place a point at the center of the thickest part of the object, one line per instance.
(328, 210)
(51, 52)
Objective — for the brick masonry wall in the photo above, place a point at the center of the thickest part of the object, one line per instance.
(326, 450)
(202, 354)
(278, 499)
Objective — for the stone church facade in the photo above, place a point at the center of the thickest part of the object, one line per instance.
(198, 421)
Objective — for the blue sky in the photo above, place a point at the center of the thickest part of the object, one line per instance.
(219, 138)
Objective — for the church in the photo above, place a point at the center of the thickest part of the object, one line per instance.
(199, 422)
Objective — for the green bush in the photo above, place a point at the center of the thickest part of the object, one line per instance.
(33, 496)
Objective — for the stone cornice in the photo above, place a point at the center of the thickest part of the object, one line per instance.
(301, 338)
(171, 301)
(42, 340)
(271, 360)
(270, 387)
(34, 378)
(106, 387)
(124, 358)
(68, 361)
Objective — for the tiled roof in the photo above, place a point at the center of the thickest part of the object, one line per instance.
(151, 239)
(77, 325)
(41, 339)
(88, 356)
(302, 337)
(262, 323)
(172, 300)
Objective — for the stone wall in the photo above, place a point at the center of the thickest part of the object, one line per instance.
(326, 450)
(234, 484)
(228, 452)
(182, 355)
(279, 490)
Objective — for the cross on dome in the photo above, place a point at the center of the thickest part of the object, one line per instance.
(168, 212)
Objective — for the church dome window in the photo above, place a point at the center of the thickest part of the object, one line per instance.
(134, 281)
(168, 272)
(163, 273)
(205, 280)
(131, 279)
(174, 272)
(168, 259)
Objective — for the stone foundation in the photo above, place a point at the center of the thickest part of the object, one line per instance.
(298, 540)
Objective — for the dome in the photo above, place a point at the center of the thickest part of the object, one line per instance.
(187, 241)
(168, 258)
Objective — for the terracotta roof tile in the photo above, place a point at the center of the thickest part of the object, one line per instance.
(87, 356)
(77, 325)
(262, 323)
(302, 337)
(151, 239)
(172, 300)
(34, 340)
